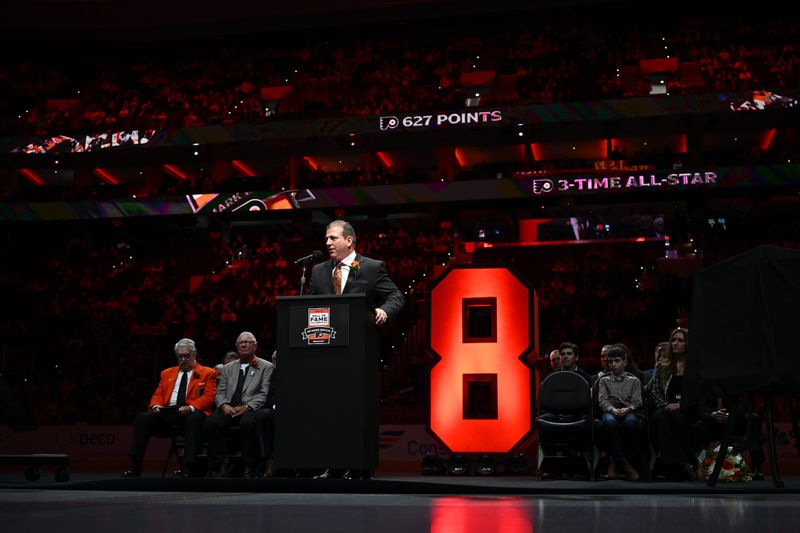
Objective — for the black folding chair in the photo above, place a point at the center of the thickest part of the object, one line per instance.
(565, 420)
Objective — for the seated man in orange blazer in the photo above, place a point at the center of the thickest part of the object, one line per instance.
(181, 402)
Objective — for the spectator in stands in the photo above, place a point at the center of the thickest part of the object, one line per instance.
(190, 90)
(180, 404)
(620, 395)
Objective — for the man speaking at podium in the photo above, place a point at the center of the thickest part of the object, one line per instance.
(347, 272)
(350, 273)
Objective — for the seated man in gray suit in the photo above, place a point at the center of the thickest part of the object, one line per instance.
(241, 393)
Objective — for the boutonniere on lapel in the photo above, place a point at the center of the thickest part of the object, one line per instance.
(253, 366)
(354, 267)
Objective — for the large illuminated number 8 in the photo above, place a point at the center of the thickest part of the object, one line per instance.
(481, 327)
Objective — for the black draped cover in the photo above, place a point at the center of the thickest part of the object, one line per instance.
(745, 325)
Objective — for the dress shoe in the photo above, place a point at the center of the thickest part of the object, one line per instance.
(133, 472)
(630, 472)
(214, 473)
(612, 469)
(185, 471)
(251, 473)
(325, 475)
(361, 473)
(269, 471)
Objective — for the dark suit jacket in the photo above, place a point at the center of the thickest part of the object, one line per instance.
(585, 375)
(371, 279)
(199, 391)
(647, 375)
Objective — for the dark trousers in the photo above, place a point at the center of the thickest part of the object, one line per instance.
(152, 424)
(256, 431)
(265, 434)
(676, 436)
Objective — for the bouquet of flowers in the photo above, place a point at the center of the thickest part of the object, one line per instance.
(734, 468)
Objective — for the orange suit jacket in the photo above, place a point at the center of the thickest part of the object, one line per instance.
(200, 390)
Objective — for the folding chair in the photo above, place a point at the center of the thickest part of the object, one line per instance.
(565, 419)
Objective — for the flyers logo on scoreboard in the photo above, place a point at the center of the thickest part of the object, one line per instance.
(319, 330)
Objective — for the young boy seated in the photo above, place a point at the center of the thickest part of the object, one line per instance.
(619, 395)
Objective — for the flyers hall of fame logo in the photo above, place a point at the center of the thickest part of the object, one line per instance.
(319, 330)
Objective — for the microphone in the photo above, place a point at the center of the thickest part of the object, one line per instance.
(316, 254)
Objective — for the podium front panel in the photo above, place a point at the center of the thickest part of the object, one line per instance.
(319, 325)
(327, 397)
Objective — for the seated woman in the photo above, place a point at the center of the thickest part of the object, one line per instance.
(674, 425)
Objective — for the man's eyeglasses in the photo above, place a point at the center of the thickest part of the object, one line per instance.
(245, 343)
(184, 356)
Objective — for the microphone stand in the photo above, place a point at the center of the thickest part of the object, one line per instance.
(303, 279)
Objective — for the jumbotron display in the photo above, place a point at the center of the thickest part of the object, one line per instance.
(534, 185)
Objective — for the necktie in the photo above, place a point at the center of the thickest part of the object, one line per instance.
(182, 390)
(237, 395)
(337, 278)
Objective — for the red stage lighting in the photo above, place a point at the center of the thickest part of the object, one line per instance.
(174, 171)
(243, 168)
(32, 176)
(106, 176)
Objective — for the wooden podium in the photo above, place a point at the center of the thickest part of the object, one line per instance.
(327, 398)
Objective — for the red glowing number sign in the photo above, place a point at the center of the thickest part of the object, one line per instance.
(493, 362)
